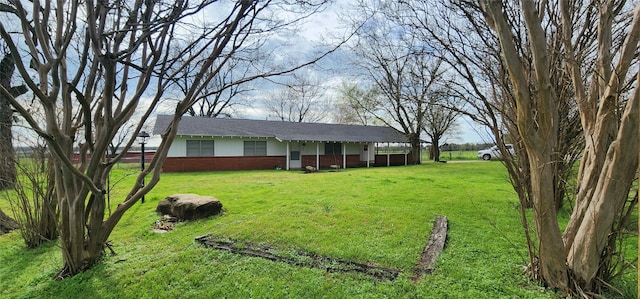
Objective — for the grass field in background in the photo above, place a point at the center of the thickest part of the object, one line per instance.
(381, 216)
(457, 155)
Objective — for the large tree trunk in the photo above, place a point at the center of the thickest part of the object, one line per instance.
(7, 154)
(7, 224)
(537, 123)
(415, 152)
(551, 249)
(609, 195)
(435, 149)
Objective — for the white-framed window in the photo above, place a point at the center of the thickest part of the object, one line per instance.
(255, 148)
(333, 148)
(295, 155)
(199, 148)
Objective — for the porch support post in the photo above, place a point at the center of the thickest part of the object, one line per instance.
(317, 155)
(288, 155)
(368, 154)
(406, 153)
(388, 154)
(344, 155)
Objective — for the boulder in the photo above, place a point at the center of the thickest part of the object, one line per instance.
(189, 206)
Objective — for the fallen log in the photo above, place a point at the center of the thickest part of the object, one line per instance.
(434, 247)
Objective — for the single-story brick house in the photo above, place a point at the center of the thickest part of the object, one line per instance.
(203, 144)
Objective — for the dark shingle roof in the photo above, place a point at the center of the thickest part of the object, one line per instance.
(284, 131)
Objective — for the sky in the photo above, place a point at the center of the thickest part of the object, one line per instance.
(333, 70)
(319, 29)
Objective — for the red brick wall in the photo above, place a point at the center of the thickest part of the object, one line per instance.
(394, 160)
(185, 164)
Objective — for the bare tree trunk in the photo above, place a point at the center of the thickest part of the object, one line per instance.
(415, 152)
(537, 123)
(601, 127)
(551, 249)
(610, 193)
(6, 223)
(7, 154)
(435, 148)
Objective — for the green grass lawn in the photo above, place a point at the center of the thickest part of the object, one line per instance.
(381, 216)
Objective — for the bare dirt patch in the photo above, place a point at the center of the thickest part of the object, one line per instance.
(298, 258)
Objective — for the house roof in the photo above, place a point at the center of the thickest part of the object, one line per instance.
(283, 131)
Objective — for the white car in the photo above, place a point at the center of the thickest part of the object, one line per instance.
(494, 152)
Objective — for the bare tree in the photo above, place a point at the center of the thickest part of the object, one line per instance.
(607, 169)
(33, 201)
(219, 97)
(121, 138)
(299, 100)
(91, 65)
(401, 67)
(512, 58)
(355, 105)
(440, 120)
(471, 51)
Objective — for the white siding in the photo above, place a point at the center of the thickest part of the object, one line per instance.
(178, 148)
(230, 147)
(309, 148)
(353, 148)
(227, 147)
(276, 148)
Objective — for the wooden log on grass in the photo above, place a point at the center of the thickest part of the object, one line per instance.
(434, 246)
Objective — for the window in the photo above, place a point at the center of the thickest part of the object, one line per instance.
(295, 155)
(198, 148)
(255, 148)
(334, 148)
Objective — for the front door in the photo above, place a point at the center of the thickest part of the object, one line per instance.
(295, 161)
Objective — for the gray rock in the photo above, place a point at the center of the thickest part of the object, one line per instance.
(189, 206)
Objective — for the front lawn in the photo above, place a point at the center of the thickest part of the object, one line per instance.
(381, 216)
